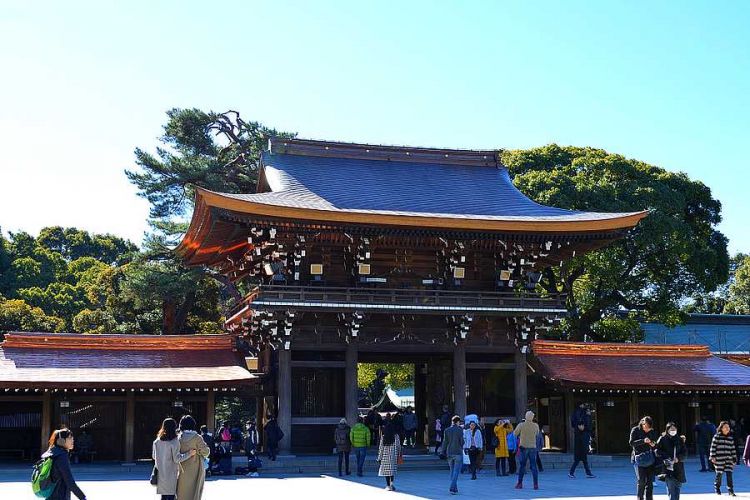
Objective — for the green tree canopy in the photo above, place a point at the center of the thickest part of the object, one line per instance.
(674, 253)
(400, 376)
(738, 297)
(217, 151)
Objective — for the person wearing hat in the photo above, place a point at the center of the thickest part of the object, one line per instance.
(343, 444)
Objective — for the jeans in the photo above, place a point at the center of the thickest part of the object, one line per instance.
(501, 464)
(673, 488)
(360, 454)
(585, 461)
(703, 453)
(530, 455)
(645, 481)
(410, 436)
(455, 462)
(344, 457)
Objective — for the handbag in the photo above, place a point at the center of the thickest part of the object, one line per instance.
(400, 460)
(154, 476)
(645, 459)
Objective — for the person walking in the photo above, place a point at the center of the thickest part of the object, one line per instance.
(250, 443)
(343, 444)
(167, 459)
(445, 420)
(388, 453)
(192, 474)
(61, 443)
(274, 435)
(452, 448)
(704, 433)
(512, 446)
(360, 438)
(643, 441)
(539, 448)
(410, 427)
(723, 457)
(473, 443)
(500, 443)
(527, 432)
(671, 451)
(581, 442)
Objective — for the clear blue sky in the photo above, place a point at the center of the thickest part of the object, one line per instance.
(83, 84)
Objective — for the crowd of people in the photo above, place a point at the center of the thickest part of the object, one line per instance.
(183, 455)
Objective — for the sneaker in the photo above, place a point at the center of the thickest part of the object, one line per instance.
(536, 486)
(571, 476)
(519, 486)
(590, 476)
(393, 488)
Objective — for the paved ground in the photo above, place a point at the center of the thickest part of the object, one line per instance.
(611, 483)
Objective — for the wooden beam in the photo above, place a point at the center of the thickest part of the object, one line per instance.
(319, 364)
(129, 426)
(284, 388)
(459, 379)
(521, 386)
(46, 419)
(211, 410)
(350, 384)
(490, 366)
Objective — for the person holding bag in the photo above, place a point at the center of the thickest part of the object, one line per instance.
(167, 458)
(474, 443)
(643, 441)
(671, 451)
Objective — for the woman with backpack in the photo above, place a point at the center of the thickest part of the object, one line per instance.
(192, 472)
(500, 443)
(61, 443)
(167, 458)
(343, 444)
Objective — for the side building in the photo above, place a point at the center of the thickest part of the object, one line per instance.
(114, 388)
(360, 253)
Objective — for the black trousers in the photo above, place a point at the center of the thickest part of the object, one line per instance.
(512, 462)
(344, 456)
(645, 477)
(473, 455)
(167, 497)
(730, 480)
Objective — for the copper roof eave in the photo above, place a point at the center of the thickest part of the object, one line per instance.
(218, 200)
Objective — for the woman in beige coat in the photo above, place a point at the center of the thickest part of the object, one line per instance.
(192, 474)
(167, 457)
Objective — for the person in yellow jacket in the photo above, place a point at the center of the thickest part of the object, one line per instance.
(501, 448)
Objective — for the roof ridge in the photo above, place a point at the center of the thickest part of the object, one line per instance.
(559, 347)
(41, 340)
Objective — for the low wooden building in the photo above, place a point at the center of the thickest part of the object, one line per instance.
(116, 388)
(620, 383)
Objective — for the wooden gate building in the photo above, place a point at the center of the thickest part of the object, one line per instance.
(354, 253)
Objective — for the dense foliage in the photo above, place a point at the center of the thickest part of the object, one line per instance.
(400, 376)
(674, 253)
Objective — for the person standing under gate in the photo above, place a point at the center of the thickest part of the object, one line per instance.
(361, 438)
(704, 433)
(473, 443)
(500, 443)
(343, 444)
(388, 453)
(581, 442)
(452, 448)
(512, 446)
(527, 432)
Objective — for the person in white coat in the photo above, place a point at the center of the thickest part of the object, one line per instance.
(167, 457)
(474, 444)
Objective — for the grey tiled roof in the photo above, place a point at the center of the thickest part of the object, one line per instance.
(402, 188)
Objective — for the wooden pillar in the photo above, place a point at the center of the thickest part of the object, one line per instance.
(211, 410)
(459, 379)
(284, 388)
(46, 419)
(569, 432)
(521, 387)
(129, 426)
(350, 384)
(633, 405)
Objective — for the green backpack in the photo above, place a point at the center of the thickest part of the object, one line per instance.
(41, 478)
